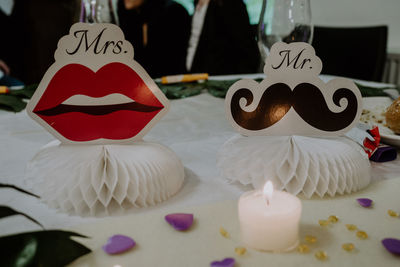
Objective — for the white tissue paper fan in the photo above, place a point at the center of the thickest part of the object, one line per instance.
(104, 179)
(297, 164)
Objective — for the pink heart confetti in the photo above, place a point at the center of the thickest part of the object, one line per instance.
(365, 202)
(180, 221)
(118, 244)
(227, 262)
(392, 245)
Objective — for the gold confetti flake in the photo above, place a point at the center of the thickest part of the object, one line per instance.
(303, 248)
(240, 251)
(392, 213)
(321, 255)
(349, 247)
(323, 222)
(351, 227)
(310, 239)
(333, 219)
(362, 235)
(223, 232)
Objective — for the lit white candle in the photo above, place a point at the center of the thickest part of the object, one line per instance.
(269, 220)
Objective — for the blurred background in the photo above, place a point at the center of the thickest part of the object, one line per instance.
(31, 29)
(341, 13)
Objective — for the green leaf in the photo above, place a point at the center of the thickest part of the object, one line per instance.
(18, 189)
(370, 91)
(181, 90)
(41, 248)
(7, 211)
(27, 254)
(25, 92)
(367, 91)
(219, 88)
(11, 103)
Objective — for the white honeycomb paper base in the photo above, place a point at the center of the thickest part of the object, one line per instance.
(297, 164)
(93, 180)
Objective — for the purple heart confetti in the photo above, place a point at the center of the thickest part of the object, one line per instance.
(180, 221)
(392, 245)
(118, 244)
(227, 262)
(365, 202)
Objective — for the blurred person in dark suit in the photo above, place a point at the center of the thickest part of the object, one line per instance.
(159, 32)
(36, 26)
(7, 53)
(5, 78)
(222, 39)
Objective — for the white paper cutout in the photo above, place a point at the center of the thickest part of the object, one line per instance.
(297, 164)
(291, 77)
(96, 180)
(92, 98)
(95, 92)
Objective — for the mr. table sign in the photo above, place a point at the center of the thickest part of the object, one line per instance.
(293, 100)
(95, 92)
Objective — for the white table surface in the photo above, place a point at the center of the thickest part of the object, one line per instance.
(203, 243)
(195, 128)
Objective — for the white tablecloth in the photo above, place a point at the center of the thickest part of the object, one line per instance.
(195, 128)
(158, 244)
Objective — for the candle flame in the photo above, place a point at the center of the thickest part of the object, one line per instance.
(268, 191)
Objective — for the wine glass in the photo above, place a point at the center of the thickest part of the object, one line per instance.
(99, 11)
(283, 21)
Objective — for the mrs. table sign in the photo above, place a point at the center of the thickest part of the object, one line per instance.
(99, 103)
(95, 92)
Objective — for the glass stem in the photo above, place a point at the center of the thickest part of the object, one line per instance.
(260, 31)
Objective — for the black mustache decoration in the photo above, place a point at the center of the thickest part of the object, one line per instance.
(306, 99)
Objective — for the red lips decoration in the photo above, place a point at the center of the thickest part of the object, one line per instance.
(77, 122)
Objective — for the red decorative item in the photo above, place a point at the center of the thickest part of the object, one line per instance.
(91, 122)
(371, 146)
(95, 92)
